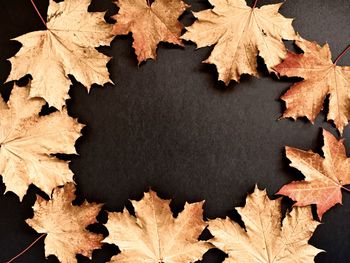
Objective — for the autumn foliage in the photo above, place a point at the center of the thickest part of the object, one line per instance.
(322, 77)
(238, 33)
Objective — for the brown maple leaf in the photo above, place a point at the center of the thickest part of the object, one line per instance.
(154, 235)
(321, 77)
(264, 239)
(66, 47)
(27, 142)
(150, 24)
(240, 33)
(65, 225)
(324, 177)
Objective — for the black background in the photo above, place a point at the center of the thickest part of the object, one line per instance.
(170, 125)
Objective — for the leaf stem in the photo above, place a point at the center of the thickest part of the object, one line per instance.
(255, 2)
(346, 189)
(27, 248)
(341, 54)
(37, 11)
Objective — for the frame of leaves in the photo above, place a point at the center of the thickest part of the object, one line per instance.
(298, 158)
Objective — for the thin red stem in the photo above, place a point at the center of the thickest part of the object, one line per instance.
(341, 55)
(26, 249)
(346, 189)
(37, 11)
(255, 2)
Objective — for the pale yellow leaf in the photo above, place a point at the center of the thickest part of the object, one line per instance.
(27, 142)
(154, 235)
(65, 225)
(240, 33)
(66, 47)
(264, 239)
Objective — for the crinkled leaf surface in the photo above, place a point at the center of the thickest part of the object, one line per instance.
(324, 177)
(66, 47)
(149, 24)
(27, 141)
(154, 235)
(241, 33)
(321, 78)
(65, 225)
(264, 239)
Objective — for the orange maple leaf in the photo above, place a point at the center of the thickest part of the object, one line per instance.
(149, 24)
(324, 177)
(322, 77)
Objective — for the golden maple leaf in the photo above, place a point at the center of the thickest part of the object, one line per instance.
(324, 177)
(149, 24)
(321, 77)
(66, 47)
(65, 225)
(264, 239)
(27, 141)
(154, 235)
(240, 33)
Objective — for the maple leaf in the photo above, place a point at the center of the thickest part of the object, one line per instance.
(241, 33)
(263, 239)
(65, 225)
(150, 24)
(154, 235)
(324, 177)
(27, 141)
(321, 77)
(66, 47)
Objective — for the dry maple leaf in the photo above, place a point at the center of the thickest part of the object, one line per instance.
(324, 177)
(264, 239)
(240, 33)
(149, 24)
(27, 141)
(66, 47)
(154, 235)
(321, 77)
(65, 225)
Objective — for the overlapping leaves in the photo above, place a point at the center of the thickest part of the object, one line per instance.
(240, 33)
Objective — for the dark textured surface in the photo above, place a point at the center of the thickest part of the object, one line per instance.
(171, 126)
